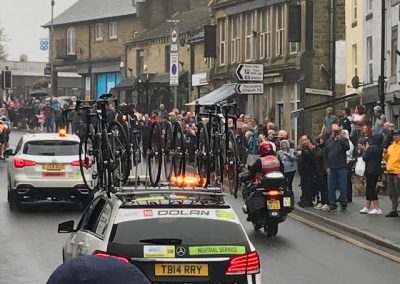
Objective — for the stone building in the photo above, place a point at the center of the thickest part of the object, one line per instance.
(148, 57)
(89, 39)
(292, 40)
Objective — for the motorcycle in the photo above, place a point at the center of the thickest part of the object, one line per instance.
(268, 203)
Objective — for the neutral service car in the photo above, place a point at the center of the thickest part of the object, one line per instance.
(170, 237)
(46, 166)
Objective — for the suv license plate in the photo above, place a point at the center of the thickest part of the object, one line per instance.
(194, 270)
(54, 167)
(274, 204)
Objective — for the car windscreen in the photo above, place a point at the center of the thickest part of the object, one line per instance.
(51, 148)
(191, 231)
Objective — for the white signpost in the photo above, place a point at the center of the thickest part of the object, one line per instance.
(319, 92)
(173, 72)
(250, 89)
(250, 72)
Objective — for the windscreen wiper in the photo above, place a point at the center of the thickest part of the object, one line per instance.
(162, 241)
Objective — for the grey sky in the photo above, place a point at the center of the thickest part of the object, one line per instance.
(22, 21)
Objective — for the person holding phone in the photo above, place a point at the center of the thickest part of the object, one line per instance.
(336, 162)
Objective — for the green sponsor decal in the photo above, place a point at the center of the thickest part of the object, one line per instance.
(225, 214)
(219, 250)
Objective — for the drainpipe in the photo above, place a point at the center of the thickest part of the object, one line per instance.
(332, 47)
(382, 76)
(89, 60)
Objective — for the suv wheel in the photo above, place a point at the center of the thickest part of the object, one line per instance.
(14, 201)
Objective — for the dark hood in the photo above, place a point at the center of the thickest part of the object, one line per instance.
(377, 139)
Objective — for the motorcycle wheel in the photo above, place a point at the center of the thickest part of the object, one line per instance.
(271, 230)
(256, 227)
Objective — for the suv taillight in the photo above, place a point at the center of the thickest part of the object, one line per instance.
(104, 254)
(21, 163)
(86, 164)
(244, 265)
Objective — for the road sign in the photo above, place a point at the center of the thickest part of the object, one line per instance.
(174, 70)
(319, 92)
(250, 72)
(44, 44)
(250, 89)
(174, 35)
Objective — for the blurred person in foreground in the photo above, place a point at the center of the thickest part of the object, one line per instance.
(97, 269)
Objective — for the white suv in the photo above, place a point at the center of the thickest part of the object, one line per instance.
(46, 166)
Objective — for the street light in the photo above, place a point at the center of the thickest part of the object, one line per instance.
(52, 47)
(396, 108)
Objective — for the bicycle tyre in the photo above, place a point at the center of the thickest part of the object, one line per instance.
(203, 154)
(121, 149)
(167, 147)
(232, 163)
(85, 147)
(179, 155)
(154, 156)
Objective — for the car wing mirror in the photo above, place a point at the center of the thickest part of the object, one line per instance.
(8, 152)
(66, 227)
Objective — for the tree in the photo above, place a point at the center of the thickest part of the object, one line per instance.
(3, 39)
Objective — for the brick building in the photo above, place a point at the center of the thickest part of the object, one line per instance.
(292, 40)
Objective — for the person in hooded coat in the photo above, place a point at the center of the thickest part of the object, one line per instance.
(95, 269)
(373, 169)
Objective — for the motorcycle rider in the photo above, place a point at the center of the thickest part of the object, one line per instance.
(267, 163)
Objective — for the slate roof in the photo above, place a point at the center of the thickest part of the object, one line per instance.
(190, 21)
(89, 10)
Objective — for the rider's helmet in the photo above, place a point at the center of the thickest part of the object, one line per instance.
(266, 148)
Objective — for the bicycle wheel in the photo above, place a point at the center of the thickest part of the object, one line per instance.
(87, 163)
(217, 159)
(232, 163)
(154, 154)
(167, 147)
(178, 156)
(203, 154)
(121, 153)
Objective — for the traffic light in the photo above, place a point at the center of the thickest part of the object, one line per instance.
(6, 82)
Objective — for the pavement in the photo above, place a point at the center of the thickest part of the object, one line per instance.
(377, 228)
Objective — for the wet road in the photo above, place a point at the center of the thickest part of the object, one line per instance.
(30, 248)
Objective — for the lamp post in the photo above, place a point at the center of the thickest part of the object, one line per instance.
(52, 48)
(396, 109)
(381, 84)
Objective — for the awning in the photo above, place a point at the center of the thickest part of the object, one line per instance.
(126, 83)
(216, 96)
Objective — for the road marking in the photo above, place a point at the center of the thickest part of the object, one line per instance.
(345, 238)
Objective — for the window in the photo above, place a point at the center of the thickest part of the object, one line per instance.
(280, 30)
(51, 148)
(222, 41)
(249, 40)
(71, 41)
(235, 39)
(98, 32)
(265, 33)
(140, 62)
(393, 63)
(294, 47)
(370, 5)
(370, 59)
(355, 10)
(355, 59)
(167, 59)
(112, 30)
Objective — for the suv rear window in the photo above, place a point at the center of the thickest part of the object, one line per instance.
(192, 231)
(51, 148)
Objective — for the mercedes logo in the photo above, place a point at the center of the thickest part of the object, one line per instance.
(180, 251)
